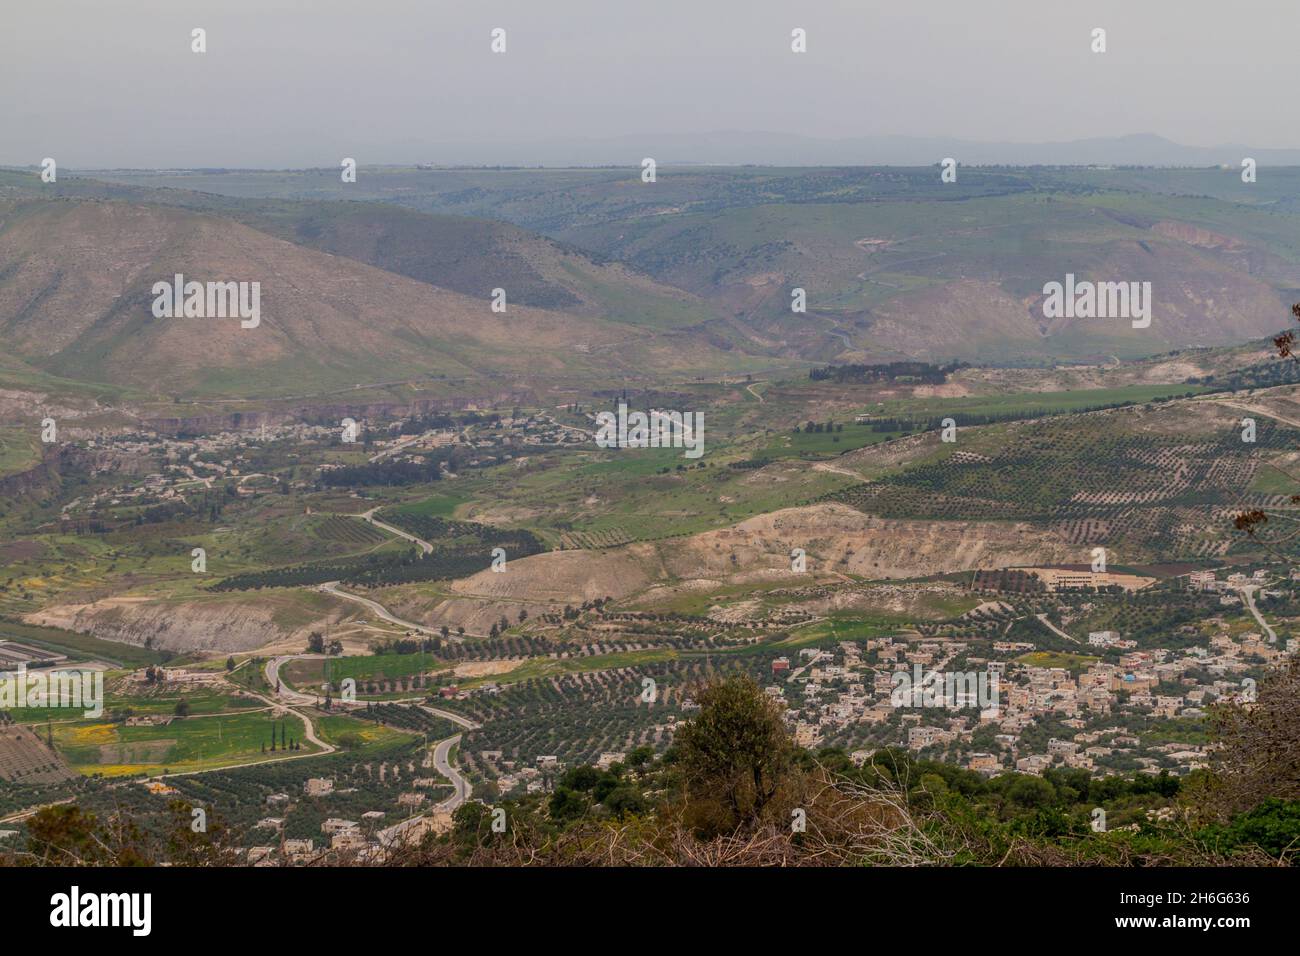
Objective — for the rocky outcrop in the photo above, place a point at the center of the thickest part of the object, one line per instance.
(222, 626)
(58, 460)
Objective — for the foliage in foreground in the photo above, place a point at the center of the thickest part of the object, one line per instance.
(735, 790)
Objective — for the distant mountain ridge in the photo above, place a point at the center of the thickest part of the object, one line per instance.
(754, 147)
(611, 281)
(785, 149)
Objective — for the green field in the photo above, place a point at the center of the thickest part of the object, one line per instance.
(638, 494)
(434, 506)
(19, 449)
(308, 675)
(338, 729)
(825, 444)
(191, 743)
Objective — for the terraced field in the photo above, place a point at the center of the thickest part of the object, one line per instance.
(579, 716)
(26, 759)
(375, 674)
(346, 530)
(595, 540)
(1158, 482)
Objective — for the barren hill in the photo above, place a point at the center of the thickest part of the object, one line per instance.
(838, 540)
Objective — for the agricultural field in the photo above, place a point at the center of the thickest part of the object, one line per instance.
(376, 674)
(1030, 404)
(441, 505)
(348, 531)
(182, 745)
(369, 778)
(579, 716)
(826, 444)
(19, 450)
(648, 494)
(1155, 483)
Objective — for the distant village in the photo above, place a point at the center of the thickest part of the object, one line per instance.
(191, 465)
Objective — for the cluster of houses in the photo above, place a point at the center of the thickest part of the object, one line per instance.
(361, 839)
(190, 463)
(511, 776)
(490, 439)
(850, 693)
(195, 463)
(1208, 581)
(175, 676)
(538, 778)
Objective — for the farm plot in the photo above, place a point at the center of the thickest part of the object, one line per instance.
(349, 531)
(577, 717)
(1107, 478)
(115, 749)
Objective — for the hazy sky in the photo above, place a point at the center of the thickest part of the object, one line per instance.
(304, 82)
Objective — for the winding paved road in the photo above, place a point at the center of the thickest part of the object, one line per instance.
(442, 763)
(272, 672)
(413, 827)
(450, 715)
(425, 546)
(1248, 595)
(332, 587)
(441, 753)
(289, 694)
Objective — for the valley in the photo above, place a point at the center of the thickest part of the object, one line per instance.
(368, 560)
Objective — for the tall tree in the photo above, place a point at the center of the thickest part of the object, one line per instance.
(735, 752)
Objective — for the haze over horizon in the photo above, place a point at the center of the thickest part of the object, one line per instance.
(285, 84)
(762, 149)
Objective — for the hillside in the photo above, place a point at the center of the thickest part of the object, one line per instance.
(457, 252)
(75, 302)
(940, 280)
(895, 263)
